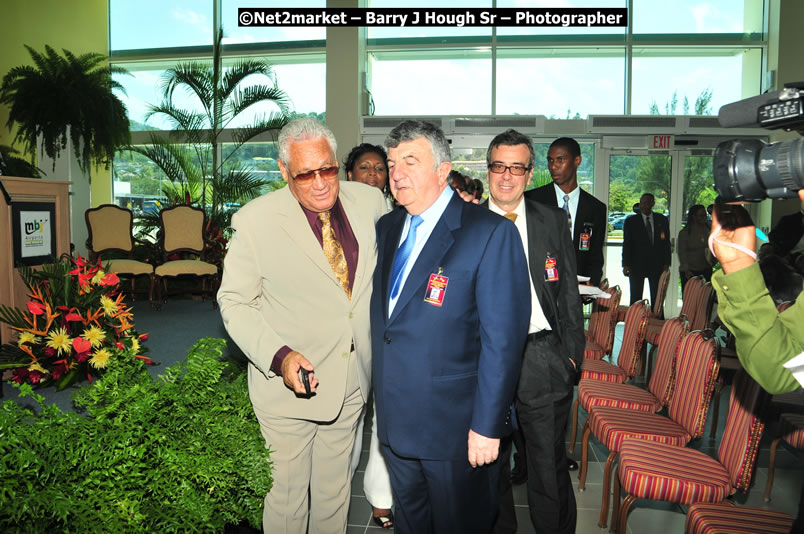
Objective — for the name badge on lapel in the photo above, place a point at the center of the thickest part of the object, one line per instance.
(550, 269)
(586, 237)
(436, 288)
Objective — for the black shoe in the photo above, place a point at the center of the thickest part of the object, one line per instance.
(572, 465)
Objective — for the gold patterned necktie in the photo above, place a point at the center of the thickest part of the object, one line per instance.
(510, 216)
(334, 253)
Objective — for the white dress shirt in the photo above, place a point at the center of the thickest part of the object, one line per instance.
(574, 196)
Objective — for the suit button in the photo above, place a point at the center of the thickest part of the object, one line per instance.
(387, 340)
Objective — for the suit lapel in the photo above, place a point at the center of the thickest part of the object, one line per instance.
(362, 228)
(438, 244)
(295, 224)
(537, 251)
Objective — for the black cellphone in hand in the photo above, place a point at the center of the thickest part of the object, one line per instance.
(304, 376)
(731, 216)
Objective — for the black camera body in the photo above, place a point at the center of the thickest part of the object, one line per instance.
(751, 169)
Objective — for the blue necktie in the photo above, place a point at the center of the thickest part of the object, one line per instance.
(402, 255)
(565, 207)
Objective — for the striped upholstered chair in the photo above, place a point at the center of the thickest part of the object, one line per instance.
(696, 372)
(791, 432)
(630, 349)
(657, 307)
(727, 518)
(667, 472)
(630, 397)
(600, 339)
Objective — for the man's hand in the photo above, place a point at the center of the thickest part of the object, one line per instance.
(290, 372)
(626, 270)
(482, 450)
(468, 197)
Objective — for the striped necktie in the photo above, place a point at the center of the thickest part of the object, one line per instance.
(565, 207)
(334, 253)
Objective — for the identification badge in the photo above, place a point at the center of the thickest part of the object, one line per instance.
(436, 289)
(583, 244)
(550, 269)
(661, 236)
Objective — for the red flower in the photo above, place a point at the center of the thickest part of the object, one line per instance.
(81, 357)
(20, 375)
(35, 377)
(50, 352)
(119, 345)
(58, 370)
(144, 337)
(36, 308)
(72, 316)
(62, 308)
(110, 279)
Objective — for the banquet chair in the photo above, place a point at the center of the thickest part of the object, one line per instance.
(182, 234)
(791, 432)
(657, 308)
(728, 518)
(630, 397)
(110, 230)
(600, 341)
(697, 368)
(666, 472)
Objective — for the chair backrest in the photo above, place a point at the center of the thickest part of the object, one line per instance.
(595, 316)
(692, 291)
(696, 371)
(110, 229)
(663, 379)
(607, 308)
(636, 324)
(661, 294)
(604, 284)
(182, 229)
(702, 314)
(738, 448)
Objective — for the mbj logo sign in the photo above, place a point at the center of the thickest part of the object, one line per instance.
(32, 227)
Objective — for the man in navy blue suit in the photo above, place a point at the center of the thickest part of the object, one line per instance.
(449, 319)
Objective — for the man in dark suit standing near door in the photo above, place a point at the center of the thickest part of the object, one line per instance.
(448, 324)
(555, 341)
(587, 215)
(646, 248)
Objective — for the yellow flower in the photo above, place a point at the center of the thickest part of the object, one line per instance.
(59, 340)
(109, 306)
(100, 358)
(94, 335)
(27, 337)
(135, 345)
(98, 277)
(36, 367)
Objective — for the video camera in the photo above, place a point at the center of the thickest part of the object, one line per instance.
(751, 169)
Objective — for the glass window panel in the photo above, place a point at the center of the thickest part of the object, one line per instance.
(562, 84)
(449, 86)
(561, 31)
(259, 159)
(660, 75)
(136, 179)
(159, 23)
(254, 34)
(695, 16)
(374, 32)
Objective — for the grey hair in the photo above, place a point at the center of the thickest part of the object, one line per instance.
(300, 129)
(511, 137)
(410, 130)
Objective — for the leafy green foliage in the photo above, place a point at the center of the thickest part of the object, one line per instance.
(58, 92)
(179, 454)
(11, 165)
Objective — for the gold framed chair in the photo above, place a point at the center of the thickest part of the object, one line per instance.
(183, 234)
(110, 230)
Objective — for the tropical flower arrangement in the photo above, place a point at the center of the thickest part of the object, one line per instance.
(75, 322)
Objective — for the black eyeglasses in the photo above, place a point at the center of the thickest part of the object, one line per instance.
(324, 172)
(516, 170)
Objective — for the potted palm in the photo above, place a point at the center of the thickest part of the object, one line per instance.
(190, 156)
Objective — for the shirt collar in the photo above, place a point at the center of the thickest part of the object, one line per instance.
(433, 213)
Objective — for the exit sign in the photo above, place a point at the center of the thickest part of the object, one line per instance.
(662, 141)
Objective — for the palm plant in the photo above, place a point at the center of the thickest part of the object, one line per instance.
(66, 96)
(191, 156)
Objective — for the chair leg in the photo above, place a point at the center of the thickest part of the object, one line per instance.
(151, 291)
(771, 469)
(574, 433)
(604, 503)
(715, 408)
(615, 507)
(587, 431)
(622, 519)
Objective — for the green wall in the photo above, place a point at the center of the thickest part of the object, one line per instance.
(80, 26)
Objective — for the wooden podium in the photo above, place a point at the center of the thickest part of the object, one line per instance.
(13, 291)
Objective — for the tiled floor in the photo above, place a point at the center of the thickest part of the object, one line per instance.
(645, 517)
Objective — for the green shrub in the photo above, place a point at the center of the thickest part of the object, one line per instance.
(179, 454)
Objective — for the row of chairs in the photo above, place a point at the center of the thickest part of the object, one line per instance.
(182, 234)
(624, 418)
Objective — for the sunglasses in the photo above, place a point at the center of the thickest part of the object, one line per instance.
(325, 173)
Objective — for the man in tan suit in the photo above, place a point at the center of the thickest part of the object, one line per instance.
(295, 294)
